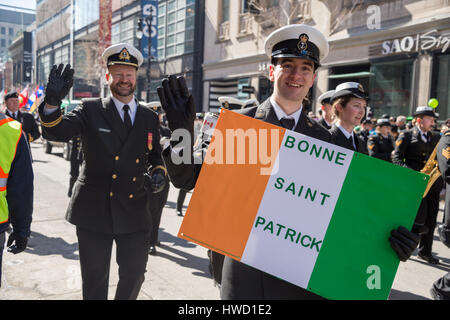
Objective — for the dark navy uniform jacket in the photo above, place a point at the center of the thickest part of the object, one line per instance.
(380, 147)
(29, 125)
(412, 152)
(338, 138)
(20, 191)
(109, 195)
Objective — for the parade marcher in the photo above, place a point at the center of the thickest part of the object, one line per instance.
(232, 103)
(393, 132)
(413, 147)
(76, 158)
(16, 187)
(443, 157)
(296, 51)
(366, 128)
(158, 200)
(401, 123)
(122, 160)
(381, 145)
(27, 120)
(440, 289)
(349, 103)
(326, 118)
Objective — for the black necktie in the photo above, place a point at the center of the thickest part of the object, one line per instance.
(287, 123)
(126, 118)
(351, 142)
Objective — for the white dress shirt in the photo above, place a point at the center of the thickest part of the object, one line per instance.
(281, 114)
(133, 107)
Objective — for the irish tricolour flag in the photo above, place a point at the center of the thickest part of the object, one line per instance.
(309, 212)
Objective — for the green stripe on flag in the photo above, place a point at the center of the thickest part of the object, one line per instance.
(360, 227)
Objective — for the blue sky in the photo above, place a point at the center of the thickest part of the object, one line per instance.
(28, 4)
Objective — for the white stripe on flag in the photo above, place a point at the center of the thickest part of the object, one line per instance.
(284, 238)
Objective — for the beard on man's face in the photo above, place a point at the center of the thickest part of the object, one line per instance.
(121, 90)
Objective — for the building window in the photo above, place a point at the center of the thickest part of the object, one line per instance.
(11, 31)
(86, 12)
(175, 27)
(440, 86)
(390, 87)
(3, 43)
(44, 68)
(123, 31)
(248, 6)
(62, 55)
(3, 30)
(225, 12)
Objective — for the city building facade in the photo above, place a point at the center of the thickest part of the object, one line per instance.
(65, 26)
(397, 49)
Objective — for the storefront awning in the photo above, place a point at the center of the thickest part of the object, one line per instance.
(351, 75)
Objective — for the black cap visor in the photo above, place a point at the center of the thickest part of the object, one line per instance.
(290, 49)
(426, 113)
(350, 92)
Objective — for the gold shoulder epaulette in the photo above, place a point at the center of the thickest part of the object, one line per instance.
(53, 123)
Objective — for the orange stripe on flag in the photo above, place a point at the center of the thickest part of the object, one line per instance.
(227, 196)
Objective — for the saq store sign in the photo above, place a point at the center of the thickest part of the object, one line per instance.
(426, 41)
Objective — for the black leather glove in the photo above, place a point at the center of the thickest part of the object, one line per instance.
(20, 243)
(155, 182)
(403, 242)
(178, 103)
(59, 84)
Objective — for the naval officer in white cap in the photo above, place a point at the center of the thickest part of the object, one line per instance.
(121, 164)
(326, 118)
(413, 148)
(295, 52)
(232, 103)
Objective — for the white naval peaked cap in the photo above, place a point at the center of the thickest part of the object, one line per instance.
(231, 103)
(349, 89)
(425, 110)
(325, 97)
(122, 53)
(297, 41)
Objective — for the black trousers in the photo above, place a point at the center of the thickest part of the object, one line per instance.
(156, 204)
(180, 200)
(2, 246)
(427, 215)
(95, 259)
(242, 282)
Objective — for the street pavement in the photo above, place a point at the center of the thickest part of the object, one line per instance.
(49, 268)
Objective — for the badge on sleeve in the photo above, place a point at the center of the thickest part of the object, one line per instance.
(446, 153)
(150, 141)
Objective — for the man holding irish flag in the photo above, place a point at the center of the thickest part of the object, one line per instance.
(295, 52)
